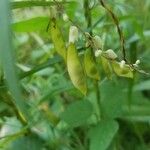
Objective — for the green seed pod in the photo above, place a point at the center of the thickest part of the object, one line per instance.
(106, 67)
(75, 69)
(90, 65)
(125, 71)
(57, 39)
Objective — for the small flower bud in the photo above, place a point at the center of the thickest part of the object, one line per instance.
(122, 64)
(110, 54)
(65, 17)
(53, 12)
(73, 34)
(97, 42)
(98, 53)
(137, 62)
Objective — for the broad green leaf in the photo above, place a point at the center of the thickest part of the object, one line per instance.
(75, 69)
(57, 39)
(5, 141)
(11, 126)
(102, 134)
(7, 58)
(126, 71)
(145, 85)
(31, 25)
(106, 67)
(77, 113)
(113, 98)
(30, 142)
(90, 65)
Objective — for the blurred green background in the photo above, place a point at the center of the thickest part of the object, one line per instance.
(39, 107)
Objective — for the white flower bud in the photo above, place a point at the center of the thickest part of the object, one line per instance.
(97, 42)
(65, 17)
(53, 12)
(98, 53)
(122, 64)
(73, 34)
(110, 54)
(137, 62)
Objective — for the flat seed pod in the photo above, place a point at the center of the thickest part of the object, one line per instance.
(106, 67)
(126, 71)
(75, 69)
(57, 39)
(90, 65)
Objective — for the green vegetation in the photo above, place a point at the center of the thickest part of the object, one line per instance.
(74, 75)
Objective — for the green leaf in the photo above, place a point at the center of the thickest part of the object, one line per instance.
(31, 25)
(26, 143)
(7, 57)
(102, 134)
(10, 127)
(10, 130)
(113, 98)
(77, 113)
(75, 69)
(126, 71)
(56, 90)
(44, 65)
(145, 85)
(90, 65)
(23, 4)
(137, 112)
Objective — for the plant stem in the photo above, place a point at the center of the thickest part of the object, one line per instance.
(87, 13)
(116, 22)
(133, 58)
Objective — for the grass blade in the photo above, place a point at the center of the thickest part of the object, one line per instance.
(23, 4)
(7, 58)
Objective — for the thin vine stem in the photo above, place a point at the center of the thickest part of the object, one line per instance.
(116, 22)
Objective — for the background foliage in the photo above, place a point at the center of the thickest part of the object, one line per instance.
(39, 107)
